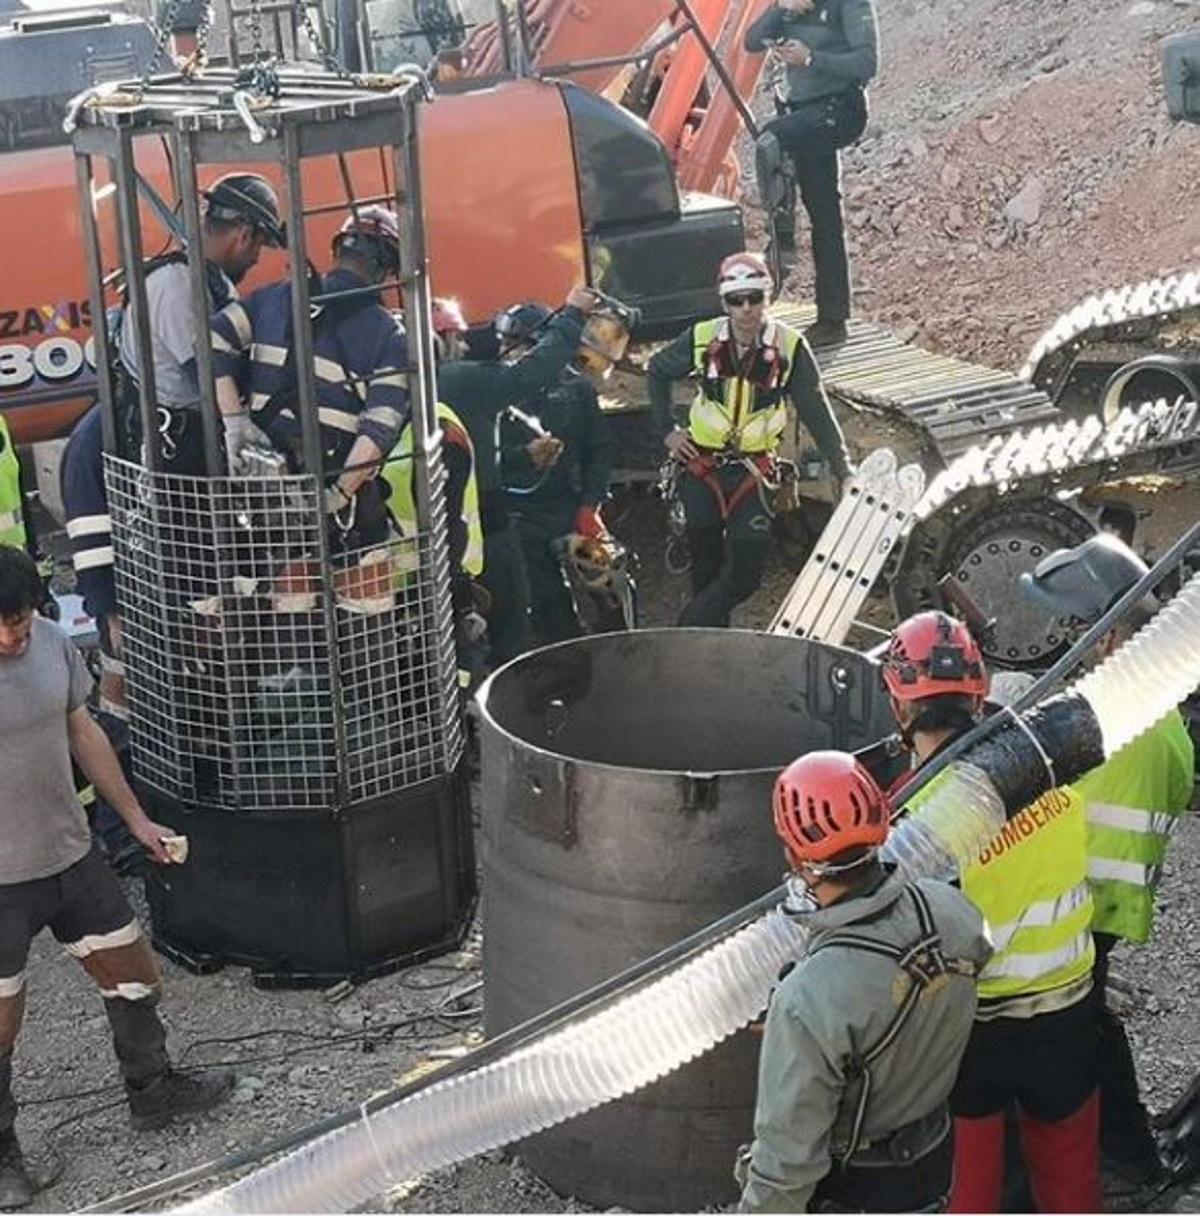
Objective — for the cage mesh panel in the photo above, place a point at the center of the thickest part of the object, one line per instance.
(231, 666)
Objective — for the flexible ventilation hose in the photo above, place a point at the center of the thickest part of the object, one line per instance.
(622, 1048)
(656, 1028)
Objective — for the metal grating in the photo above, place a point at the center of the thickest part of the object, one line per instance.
(241, 696)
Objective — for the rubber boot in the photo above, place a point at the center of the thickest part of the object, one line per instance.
(16, 1188)
(156, 1092)
(139, 1038)
(978, 1164)
(1063, 1159)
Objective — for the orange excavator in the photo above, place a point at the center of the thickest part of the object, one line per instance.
(567, 141)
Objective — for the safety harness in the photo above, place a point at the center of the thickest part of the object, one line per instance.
(924, 962)
(172, 423)
(704, 468)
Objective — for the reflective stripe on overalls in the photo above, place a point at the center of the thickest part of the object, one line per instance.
(923, 962)
(12, 515)
(734, 411)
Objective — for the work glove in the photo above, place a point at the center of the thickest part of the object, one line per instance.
(544, 451)
(588, 522)
(241, 433)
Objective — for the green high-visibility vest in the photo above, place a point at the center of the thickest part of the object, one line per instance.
(735, 412)
(1030, 884)
(399, 475)
(1132, 802)
(12, 513)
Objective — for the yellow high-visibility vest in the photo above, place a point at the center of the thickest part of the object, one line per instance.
(1131, 804)
(732, 411)
(1030, 883)
(12, 513)
(398, 472)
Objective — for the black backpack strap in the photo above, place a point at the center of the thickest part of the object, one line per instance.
(923, 962)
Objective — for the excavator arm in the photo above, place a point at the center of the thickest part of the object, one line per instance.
(646, 54)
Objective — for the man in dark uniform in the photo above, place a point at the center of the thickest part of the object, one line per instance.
(478, 390)
(89, 529)
(556, 461)
(830, 50)
(360, 359)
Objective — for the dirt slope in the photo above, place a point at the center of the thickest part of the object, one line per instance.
(1019, 157)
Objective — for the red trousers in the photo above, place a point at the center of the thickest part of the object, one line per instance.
(1062, 1157)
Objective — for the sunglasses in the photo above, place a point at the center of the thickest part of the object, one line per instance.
(750, 297)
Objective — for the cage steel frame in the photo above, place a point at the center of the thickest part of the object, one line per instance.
(274, 681)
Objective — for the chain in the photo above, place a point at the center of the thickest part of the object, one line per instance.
(318, 43)
(162, 34)
(256, 32)
(261, 79)
(198, 60)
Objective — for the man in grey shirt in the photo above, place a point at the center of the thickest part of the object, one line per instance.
(241, 215)
(52, 876)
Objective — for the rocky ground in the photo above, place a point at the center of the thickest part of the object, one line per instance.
(1018, 158)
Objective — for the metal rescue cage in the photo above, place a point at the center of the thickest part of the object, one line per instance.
(283, 697)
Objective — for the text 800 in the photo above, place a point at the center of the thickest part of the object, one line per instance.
(55, 360)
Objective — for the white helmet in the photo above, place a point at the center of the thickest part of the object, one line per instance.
(743, 272)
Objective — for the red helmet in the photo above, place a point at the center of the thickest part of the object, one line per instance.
(448, 317)
(743, 272)
(373, 231)
(827, 803)
(932, 654)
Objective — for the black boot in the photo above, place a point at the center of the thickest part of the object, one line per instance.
(16, 1188)
(139, 1038)
(826, 333)
(173, 1095)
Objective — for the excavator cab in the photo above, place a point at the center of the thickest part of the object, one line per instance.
(48, 57)
(647, 242)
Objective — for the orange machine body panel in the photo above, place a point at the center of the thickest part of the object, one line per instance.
(574, 31)
(502, 212)
(47, 362)
(502, 208)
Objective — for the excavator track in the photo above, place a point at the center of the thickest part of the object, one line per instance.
(1013, 464)
(1009, 464)
(953, 403)
(1115, 327)
(999, 508)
